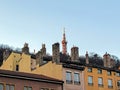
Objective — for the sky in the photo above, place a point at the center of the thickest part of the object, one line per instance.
(91, 25)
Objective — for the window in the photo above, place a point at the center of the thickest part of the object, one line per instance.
(68, 77)
(27, 88)
(110, 83)
(17, 67)
(117, 74)
(89, 69)
(109, 73)
(90, 80)
(10, 87)
(99, 71)
(100, 82)
(118, 83)
(1, 86)
(76, 78)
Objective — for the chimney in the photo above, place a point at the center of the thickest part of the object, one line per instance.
(74, 53)
(34, 51)
(106, 60)
(43, 50)
(40, 55)
(56, 52)
(25, 49)
(87, 57)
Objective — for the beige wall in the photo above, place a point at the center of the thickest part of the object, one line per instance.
(73, 86)
(25, 63)
(22, 60)
(50, 69)
(33, 64)
(10, 63)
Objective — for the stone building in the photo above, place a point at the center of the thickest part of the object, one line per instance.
(108, 61)
(64, 67)
(75, 53)
(40, 55)
(56, 52)
(25, 49)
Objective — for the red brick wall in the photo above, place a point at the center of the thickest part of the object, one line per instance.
(19, 84)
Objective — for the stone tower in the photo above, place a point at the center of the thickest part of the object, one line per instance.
(43, 50)
(40, 55)
(64, 43)
(106, 60)
(25, 49)
(87, 57)
(74, 53)
(56, 52)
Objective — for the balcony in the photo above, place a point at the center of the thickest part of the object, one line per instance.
(100, 85)
(110, 86)
(69, 81)
(90, 84)
(77, 82)
(118, 87)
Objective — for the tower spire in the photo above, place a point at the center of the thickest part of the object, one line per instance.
(64, 37)
(64, 43)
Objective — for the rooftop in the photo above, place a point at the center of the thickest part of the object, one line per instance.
(29, 76)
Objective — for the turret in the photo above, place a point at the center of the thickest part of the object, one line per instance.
(74, 53)
(43, 50)
(87, 57)
(25, 49)
(40, 55)
(107, 60)
(56, 52)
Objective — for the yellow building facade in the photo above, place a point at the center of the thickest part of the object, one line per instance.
(23, 62)
(101, 79)
(49, 69)
(92, 78)
(17, 62)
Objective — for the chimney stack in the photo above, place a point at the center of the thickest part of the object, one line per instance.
(25, 49)
(74, 53)
(106, 60)
(40, 55)
(56, 52)
(87, 57)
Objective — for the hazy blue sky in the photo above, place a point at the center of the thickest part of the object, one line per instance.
(92, 25)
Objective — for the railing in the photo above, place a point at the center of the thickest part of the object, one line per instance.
(69, 81)
(100, 85)
(110, 86)
(90, 84)
(77, 82)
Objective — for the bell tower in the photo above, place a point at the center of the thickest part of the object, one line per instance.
(64, 43)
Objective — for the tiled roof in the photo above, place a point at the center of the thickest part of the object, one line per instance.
(29, 76)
